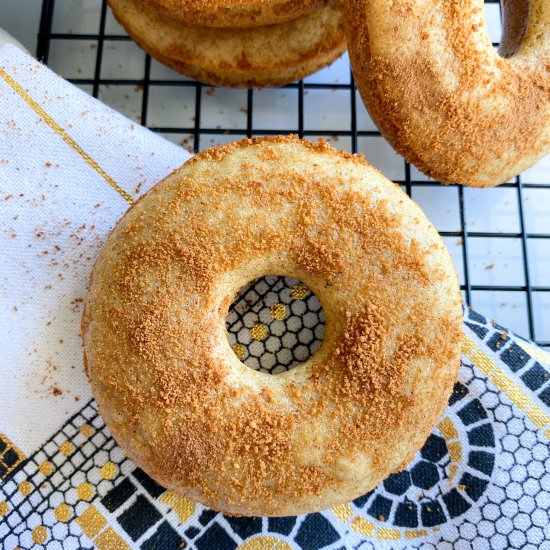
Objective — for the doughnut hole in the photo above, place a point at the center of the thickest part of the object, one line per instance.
(275, 324)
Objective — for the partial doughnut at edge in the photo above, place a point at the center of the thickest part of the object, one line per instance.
(443, 96)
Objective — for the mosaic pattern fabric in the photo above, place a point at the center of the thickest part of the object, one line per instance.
(482, 478)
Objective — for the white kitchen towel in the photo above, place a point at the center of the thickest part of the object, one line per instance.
(69, 168)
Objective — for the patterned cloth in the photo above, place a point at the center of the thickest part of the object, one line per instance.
(482, 479)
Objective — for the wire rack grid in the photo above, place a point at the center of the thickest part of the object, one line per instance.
(499, 238)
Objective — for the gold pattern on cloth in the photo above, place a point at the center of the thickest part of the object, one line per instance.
(91, 522)
(183, 507)
(501, 380)
(239, 351)
(343, 512)
(363, 526)
(45, 468)
(40, 534)
(63, 512)
(415, 534)
(449, 432)
(259, 332)
(507, 385)
(278, 311)
(95, 526)
(538, 417)
(4, 508)
(108, 470)
(110, 540)
(66, 448)
(455, 451)
(388, 534)
(518, 397)
(85, 491)
(447, 428)
(265, 543)
(16, 87)
(299, 292)
(25, 488)
(482, 362)
(468, 346)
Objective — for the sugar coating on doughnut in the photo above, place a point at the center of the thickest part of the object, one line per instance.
(443, 96)
(169, 386)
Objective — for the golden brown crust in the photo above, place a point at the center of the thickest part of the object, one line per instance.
(443, 96)
(271, 55)
(233, 13)
(169, 386)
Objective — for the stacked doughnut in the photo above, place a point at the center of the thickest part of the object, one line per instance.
(238, 43)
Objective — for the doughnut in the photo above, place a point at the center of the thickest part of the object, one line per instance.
(439, 92)
(233, 13)
(271, 55)
(169, 386)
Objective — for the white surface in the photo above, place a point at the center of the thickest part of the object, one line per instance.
(55, 212)
(326, 111)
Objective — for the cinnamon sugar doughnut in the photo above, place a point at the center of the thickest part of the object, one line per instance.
(173, 393)
(271, 55)
(233, 13)
(443, 96)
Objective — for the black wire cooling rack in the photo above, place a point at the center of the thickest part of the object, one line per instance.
(533, 293)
